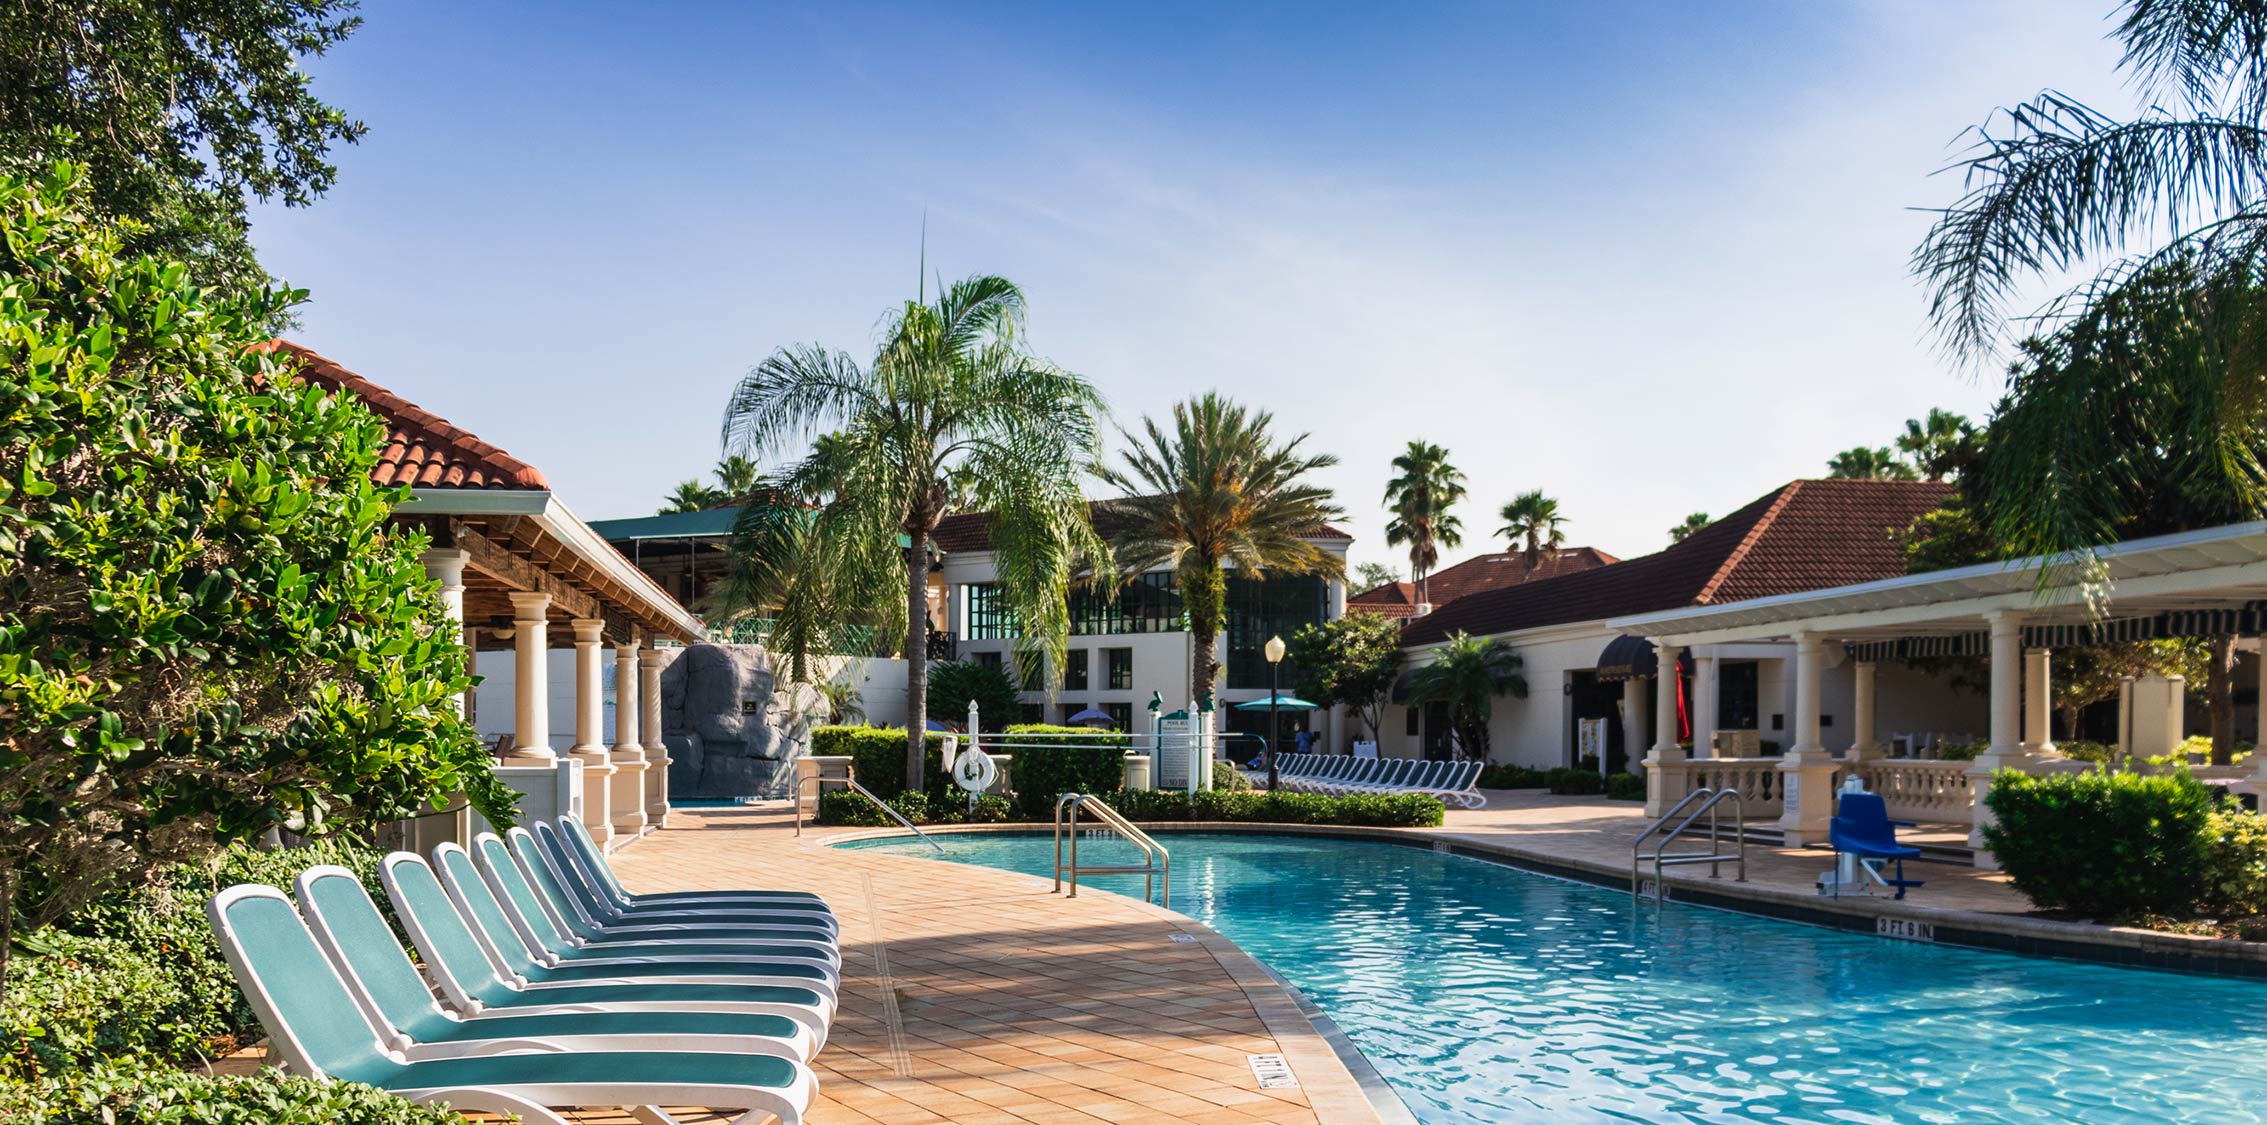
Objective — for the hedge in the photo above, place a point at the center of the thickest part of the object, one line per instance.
(1512, 777)
(878, 754)
(1085, 764)
(843, 807)
(1625, 787)
(1574, 781)
(1377, 810)
(129, 1095)
(2120, 846)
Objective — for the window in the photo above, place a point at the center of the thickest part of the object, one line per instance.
(1069, 709)
(987, 613)
(1121, 715)
(1074, 670)
(986, 659)
(1031, 712)
(1263, 608)
(1120, 663)
(1151, 603)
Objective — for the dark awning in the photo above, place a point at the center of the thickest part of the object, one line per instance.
(1628, 658)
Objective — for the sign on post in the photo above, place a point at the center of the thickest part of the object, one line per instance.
(1590, 738)
(1176, 742)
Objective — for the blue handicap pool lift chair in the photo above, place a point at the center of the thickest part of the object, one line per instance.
(1865, 841)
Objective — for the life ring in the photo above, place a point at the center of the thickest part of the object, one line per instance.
(975, 771)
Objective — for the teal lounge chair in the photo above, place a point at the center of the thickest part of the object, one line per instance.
(315, 1024)
(466, 968)
(570, 908)
(583, 848)
(610, 905)
(396, 999)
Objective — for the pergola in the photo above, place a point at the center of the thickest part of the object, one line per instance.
(2200, 583)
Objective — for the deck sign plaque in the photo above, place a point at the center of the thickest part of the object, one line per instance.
(1905, 928)
(1273, 1073)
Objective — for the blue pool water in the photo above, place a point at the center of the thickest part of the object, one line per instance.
(1484, 993)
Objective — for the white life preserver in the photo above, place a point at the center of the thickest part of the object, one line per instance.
(975, 771)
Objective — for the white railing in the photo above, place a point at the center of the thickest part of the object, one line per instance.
(1756, 780)
(1922, 789)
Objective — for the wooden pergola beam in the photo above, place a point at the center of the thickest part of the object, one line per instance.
(494, 560)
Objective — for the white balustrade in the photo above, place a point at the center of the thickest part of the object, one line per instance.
(1756, 780)
(1921, 789)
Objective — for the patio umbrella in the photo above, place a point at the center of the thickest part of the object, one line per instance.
(1093, 717)
(1283, 702)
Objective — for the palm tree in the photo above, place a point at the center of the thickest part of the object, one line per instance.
(1371, 575)
(953, 413)
(1862, 463)
(1419, 498)
(691, 496)
(1534, 527)
(1692, 523)
(737, 477)
(1467, 674)
(1217, 491)
(1935, 446)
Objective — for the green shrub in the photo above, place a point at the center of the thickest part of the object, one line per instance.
(2083, 751)
(129, 1095)
(1051, 761)
(846, 809)
(2115, 846)
(1626, 786)
(1575, 781)
(1961, 751)
(1395, 810)
(878, 756)
(1228, 779)
(1512, 777)
(953, 684)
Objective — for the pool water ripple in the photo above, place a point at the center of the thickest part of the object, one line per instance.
(1487, 994)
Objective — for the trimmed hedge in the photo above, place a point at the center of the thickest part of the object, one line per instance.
(1376, 810)
(878, 754)
(2119, 846)
(1512, 777)
(1086, 764)
(1574, 781)
(114, 1095)
(841, 806)
(1625, 787)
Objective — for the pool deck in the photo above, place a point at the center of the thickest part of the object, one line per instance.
(977, 997)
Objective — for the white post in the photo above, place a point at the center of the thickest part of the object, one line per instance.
(2038, 700)
(446, 566)
(531, 678)
(1704, 707)
(1665, 684)
(1807, 770)
(656, 751)
(1866, 743)
(590, 731)
(2006, 749)
(1634, 736)
(2118, 757)
(628, 759)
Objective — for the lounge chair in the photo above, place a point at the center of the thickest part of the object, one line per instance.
(589, 890)
(571, 907)
(316, 1025)
(465, 965)
(397, 1000)
(1862, 828)
(579, 846)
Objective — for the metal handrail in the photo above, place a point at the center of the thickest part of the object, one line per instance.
(850, 778)
(1714, 857)
(1156, 861)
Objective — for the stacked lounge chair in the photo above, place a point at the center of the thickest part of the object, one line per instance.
(715, 999)
(1455, 783)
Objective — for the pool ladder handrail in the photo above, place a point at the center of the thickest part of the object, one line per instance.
(1157, 863)
(850, 778)
(1714, 857)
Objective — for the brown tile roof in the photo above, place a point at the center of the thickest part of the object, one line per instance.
(1807, 535)
(1472, 576)
(423, 449)
(972, 531)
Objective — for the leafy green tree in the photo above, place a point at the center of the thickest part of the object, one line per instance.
(1692, 523)
(1370, 575)
(952, 414)
(1217, 491)
(1939, 445)
(953, 684)
(1352, 661)
(207, 629)
(1420, 497)
(1863, 463)
(1469, 674)
(1534, 526)
(178, 113)
(691, 496)
(736, 477)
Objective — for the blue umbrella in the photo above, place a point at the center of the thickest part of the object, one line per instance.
(1093, 716)
(937, 726)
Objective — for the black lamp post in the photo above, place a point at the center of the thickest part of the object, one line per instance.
(1274, 704)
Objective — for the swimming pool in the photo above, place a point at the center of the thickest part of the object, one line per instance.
(1486, 994)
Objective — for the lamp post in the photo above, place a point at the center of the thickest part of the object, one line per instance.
(1274, 705)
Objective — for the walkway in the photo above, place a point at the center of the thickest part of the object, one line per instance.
(976, 997)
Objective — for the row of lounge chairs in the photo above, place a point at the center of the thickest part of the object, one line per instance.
(546, 984)
(1455, 783)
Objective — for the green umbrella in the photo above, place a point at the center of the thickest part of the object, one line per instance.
(1281, 702)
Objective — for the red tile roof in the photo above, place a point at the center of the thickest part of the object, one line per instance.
(1473, 575)
(423, 449)
(972, 531)
(1807, 535)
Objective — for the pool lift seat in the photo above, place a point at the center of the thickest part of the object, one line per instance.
(1865, 841)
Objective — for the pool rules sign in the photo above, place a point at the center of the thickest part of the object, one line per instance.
(1272, 1071)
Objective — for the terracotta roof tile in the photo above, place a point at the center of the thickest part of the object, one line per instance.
(423, 449)
(972, 531)
(1472, 576)
(1807, 535)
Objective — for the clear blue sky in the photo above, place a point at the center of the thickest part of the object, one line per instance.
(1649, 258)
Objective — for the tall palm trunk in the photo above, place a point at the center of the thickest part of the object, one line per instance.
(2220, 699)
(916, 662)
(1204, 594)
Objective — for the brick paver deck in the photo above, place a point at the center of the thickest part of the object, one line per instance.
(976, 997)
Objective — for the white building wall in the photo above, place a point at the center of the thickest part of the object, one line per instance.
(493, 712)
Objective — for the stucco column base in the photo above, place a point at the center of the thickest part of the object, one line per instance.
(1864, 754)
(629, 793)
(597, 792)
(1806, 779)
(1667, 780)
(656, 789)
(1979, 785)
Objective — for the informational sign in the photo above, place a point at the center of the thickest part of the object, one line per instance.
(1589, 739)
(1273, 1072)
(1176, 742)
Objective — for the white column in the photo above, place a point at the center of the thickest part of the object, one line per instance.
(531, 678)
(590, 731)
(1703, 705)
(446, 566)
(628, 758)
(649, 726)
(1634, 736)
(1806, 772)
(2038, 704)
(1665, 701)
(2006, 749)
(1866, 742)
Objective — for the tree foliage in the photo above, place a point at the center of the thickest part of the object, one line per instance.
(1424, 488)
(1353, 661)
(1370, 576)
(1468, 674)
(1535, 527)
(1217, 490)
(1869, 463)
(177, 113)
(206, 628)
(953, 684)
(1692, 523)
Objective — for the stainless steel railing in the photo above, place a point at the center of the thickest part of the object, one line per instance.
(850, 778)
(1708, 800)
(1157, 863)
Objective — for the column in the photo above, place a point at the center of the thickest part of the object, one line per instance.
(1634, 736)
(446, 566)
(1806, 772)
(590, 731)
(628, 759)
(1703, 705)
(2038, 704)
(1665, 778)
(531, 679)
(1866, 744)
(649, 726)
(2006, 749)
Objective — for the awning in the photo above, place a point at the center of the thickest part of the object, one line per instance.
(1628, 658)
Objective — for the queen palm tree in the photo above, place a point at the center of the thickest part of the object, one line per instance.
(953, 413)
(1868, 463)
(1468, 674)
(691, 496)
(737, 476)
(1534, 527)
(1935, 445)
(1215, 491)
(1420, 497)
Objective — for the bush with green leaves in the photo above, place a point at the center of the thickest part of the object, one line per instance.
(1379, 810)
(1625, 787)
(878, 755)
(141, 1095)
(1228, 779)
(851, 810)
(1575, 782)
(207, 628)
(1050, 761)
(1512, 777)
(2116, 846)
(954, 683)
